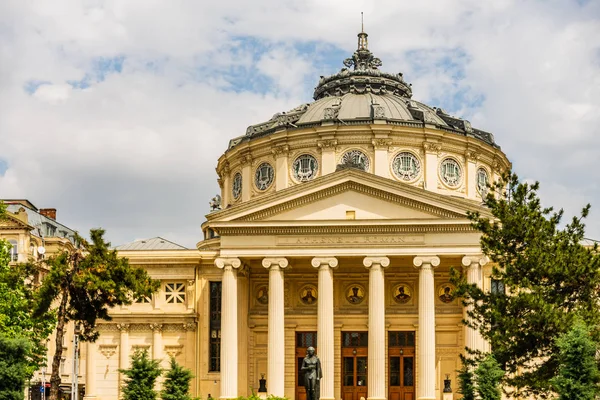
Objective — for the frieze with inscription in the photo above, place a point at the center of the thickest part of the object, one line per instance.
(391, 240)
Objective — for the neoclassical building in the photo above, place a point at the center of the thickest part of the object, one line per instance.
(338, 224)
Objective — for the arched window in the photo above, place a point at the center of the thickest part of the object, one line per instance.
(14, 250)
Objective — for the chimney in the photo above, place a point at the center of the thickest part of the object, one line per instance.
(48, 212)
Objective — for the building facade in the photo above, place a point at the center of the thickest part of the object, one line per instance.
(339, 222)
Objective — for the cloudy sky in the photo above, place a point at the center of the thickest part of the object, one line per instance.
(115, 112)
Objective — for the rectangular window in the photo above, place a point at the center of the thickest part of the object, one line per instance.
(14, 250)
(497, 286)
(175, 293)
(215, 327)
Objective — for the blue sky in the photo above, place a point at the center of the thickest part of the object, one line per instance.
(115, 112)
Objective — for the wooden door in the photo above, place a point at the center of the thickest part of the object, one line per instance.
(354, 365)
(401, 365)
(304, 340)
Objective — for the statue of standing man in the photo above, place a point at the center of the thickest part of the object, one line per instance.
(311, 366)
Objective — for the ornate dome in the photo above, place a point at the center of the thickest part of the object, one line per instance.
(363, 94)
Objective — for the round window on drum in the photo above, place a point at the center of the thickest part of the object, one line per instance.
(406, 166)
(450, 172)
(482, 181)
(236, 187)
(356, 158)
(305, 168)
(263, 177)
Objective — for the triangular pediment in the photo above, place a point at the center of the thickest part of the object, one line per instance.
(338, 195)
(12, 222)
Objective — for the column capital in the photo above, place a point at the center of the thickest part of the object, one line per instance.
(331, 262)
(434, 261)
(275, 262)
(378, 260)
(156, 327)
(475, 259)
(123, 327)
(228, 263)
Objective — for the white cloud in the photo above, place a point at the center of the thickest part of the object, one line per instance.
(136, 151)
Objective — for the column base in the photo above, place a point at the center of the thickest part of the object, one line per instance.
(427, 398)
(376, 398)
(94, 397)
(326, 398)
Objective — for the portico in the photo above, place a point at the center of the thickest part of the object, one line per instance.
(379, 277)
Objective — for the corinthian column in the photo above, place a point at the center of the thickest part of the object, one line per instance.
(229, 328)
(276, 347)
(376, 356)
(426, 338)
(325, 322)
(473, 264)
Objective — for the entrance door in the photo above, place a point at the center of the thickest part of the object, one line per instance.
(401, 352)
(304, 340)
(354, 365)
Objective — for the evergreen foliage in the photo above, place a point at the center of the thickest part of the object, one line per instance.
(14, 367)
(141, 377)
(578, 376)
(465, 379)
(487, 379)
(548, 275)
(82, 285)
(177, 383)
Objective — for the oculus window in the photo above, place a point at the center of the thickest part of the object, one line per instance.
(263, 177)
(406, 166)
(305, 168)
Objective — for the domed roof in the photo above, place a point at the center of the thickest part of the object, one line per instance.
(363, 94)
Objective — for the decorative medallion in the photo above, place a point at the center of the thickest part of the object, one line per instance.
(355, 294)
(450, 172)
(236, 187)
(356, 158)
(482, 181)
(406, 166)
(402, 293)
(308, 294)
(262, 295)
(263, 177)
(305, 168)
(445, 293)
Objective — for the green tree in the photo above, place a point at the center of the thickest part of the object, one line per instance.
(14, 367)
(82, 285)
(548, 276)
(18, 327)
(578, 376)
(487, 379)
(141, 377)
(177, 383)
(465, 379)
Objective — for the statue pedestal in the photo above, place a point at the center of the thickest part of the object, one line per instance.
(448, 396)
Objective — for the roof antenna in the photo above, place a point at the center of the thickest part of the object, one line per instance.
(363, 44)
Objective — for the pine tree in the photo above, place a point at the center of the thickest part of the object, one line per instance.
(177, 383)
(141, 377)
(487, 379)
(578, 376)
(82, 285)
(548, 276)
(465, 379)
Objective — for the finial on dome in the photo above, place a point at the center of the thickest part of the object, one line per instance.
(362, 59)
(363, 43)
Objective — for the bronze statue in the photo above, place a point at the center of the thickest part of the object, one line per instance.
(311, 366)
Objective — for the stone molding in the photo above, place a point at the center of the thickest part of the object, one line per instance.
(107, 350)
(345, 229)
(327, 262)
(382, 260)
(277, 262)
(228, 263)
(123, 327)
(173, 350)
(422, 261)
(156, 327)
